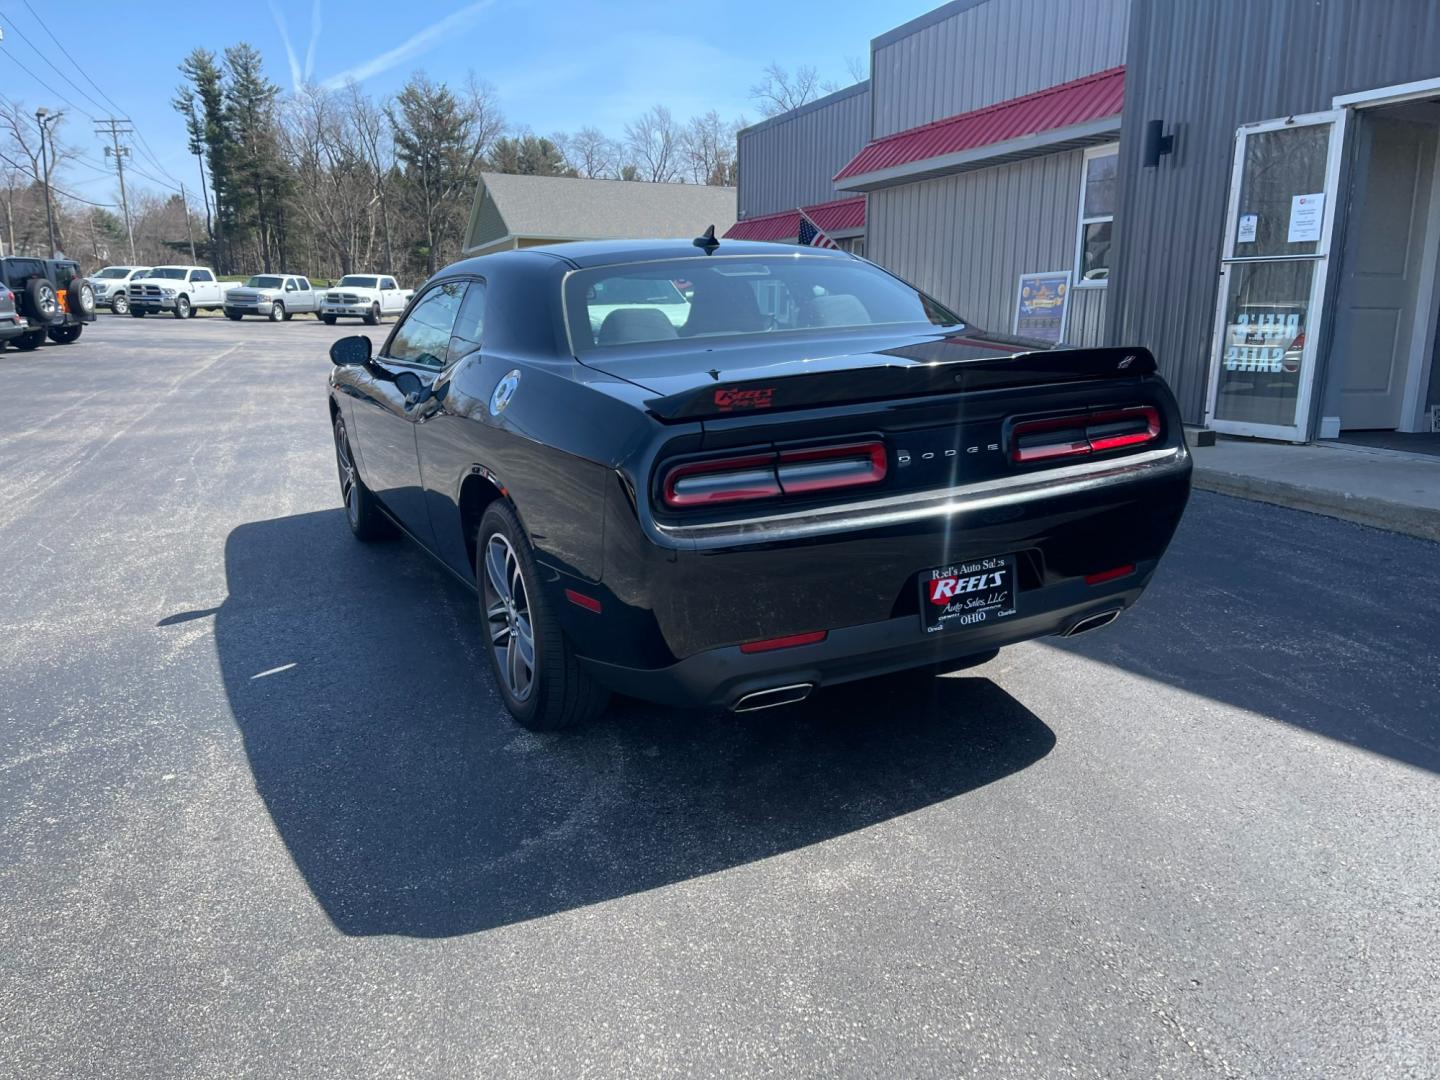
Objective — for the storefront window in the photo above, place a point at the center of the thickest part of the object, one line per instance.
(1097, 216)
(1265, 318)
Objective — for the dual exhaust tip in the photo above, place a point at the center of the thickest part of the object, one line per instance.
(1093, 622)
(796, 692)
(775, 695)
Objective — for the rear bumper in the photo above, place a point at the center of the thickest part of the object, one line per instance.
(720, 677)
(11, 328)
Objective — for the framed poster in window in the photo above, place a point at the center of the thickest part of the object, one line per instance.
(1042, 306)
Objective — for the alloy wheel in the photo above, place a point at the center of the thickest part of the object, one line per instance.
(349, 483)
(507, 616)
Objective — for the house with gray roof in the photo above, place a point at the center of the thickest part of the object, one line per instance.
(513, 211)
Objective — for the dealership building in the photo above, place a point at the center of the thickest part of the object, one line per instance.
(1249, 190)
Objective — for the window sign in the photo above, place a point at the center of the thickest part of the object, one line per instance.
(1043, 306)
(1306, 215)
(1249, 226)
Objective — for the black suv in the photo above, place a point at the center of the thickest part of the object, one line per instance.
(51, 296)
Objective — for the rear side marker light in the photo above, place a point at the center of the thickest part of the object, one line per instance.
(783, 472)
(1110, 575)
(1074, 436)
(579, 599)
(787, 642)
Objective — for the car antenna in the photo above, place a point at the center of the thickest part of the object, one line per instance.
(707, 241)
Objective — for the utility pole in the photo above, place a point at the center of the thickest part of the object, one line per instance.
(115, 128)
(45, 118)
(189, 229)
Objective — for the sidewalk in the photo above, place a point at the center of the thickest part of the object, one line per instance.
(1386, 489)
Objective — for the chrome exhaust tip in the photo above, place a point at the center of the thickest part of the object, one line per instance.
(1093, 622)
(769, 699)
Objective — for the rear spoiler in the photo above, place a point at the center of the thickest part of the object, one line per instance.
(904, 380)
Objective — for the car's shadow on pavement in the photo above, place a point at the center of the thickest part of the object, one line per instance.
(412, 805)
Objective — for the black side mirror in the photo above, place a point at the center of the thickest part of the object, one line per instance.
(351, 351)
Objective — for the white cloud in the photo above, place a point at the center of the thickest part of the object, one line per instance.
(413, 46)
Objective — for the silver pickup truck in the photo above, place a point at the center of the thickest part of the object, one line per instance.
(276, 296)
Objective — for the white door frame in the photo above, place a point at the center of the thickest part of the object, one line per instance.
(1427, 295)
(1300, 430)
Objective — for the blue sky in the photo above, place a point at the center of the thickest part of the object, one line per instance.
(562, 64)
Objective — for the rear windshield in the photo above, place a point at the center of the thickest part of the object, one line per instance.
(174, 273)
(355, 281)
(260, 281)
(706, 298)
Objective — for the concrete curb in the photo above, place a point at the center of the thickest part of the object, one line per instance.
(1363, 510)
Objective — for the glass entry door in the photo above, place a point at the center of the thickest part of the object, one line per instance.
(1272, 276)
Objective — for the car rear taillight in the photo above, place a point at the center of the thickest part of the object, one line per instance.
(776, 472)
(1091, 433)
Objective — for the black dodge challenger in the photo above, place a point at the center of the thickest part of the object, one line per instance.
(716, 473)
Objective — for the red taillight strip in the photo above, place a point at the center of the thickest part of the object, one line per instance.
(782, 472)
(1084, 436)
(750, 477)
(853, 465)
(787, 642)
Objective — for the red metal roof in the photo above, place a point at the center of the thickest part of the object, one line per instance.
(838, 216)
(1095, 97)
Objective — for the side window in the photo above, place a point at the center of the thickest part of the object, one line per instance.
(423, 337)
(1097, 216)
(389, 283)
(469, 332)
(202, 275)
(290, 284)
(305, 285)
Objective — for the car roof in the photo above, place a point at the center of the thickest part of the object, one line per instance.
(586, 253)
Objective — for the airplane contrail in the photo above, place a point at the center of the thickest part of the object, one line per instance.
(412, 46)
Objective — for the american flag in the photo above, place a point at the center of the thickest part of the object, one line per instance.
(811, 235)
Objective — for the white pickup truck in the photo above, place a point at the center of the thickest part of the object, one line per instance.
(367, 296)
(180, 290)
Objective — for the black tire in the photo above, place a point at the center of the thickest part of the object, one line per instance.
(120, 304)
(289, 315)
(137, 313)
(328, 320)
(233, 316)
(373, 318)
(182, 309)
(363, 514)
(82, 298)
(65, 335)
(29, 341)
(277, 311)
(559, 693)
(44, 305)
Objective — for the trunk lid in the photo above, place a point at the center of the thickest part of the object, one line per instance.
(728, 380)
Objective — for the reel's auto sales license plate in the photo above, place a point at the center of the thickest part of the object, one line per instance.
(967, 594)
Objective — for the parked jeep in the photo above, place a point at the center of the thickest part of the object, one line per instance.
(276, 296)
(112, 286)
(51, 295)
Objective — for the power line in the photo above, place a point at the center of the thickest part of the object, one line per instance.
(146, 149)
(30, 169)
(57, 72)
(16, 61)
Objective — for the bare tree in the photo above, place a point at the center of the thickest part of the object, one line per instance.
(708, 148)
(340, 190)
(590, 152)
(374, 141)
(653, 143)
(780, 90)
(855, 67)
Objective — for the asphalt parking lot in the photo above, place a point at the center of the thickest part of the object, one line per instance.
(261, 813)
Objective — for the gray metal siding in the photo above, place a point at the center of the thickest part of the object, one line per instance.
(1205, 69)
(966, 239)
(791, 160)
(990, 52)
